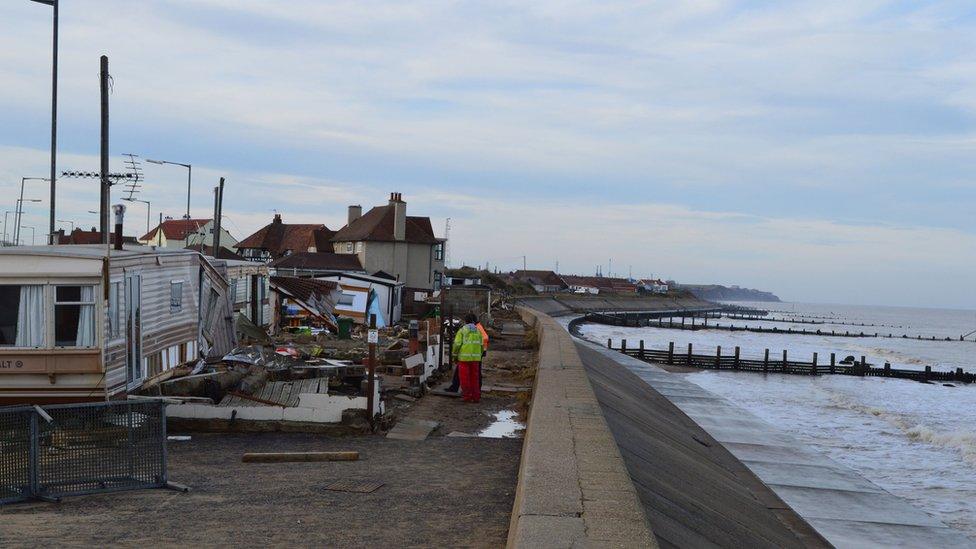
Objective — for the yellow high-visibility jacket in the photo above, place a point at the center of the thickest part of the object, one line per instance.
(467, 344)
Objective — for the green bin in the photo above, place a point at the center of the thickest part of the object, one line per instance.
(345, 327)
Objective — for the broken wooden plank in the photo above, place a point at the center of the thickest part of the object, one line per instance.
(283, 457)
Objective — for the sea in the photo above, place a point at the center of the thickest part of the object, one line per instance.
(916, 440)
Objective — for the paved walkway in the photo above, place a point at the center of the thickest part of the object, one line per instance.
(843, 507)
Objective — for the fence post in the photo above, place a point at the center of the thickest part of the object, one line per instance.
(609, 343)
(785, 366)
(766, 362)
(928, 372)
(688, 363)
(736, 357)
(718, 357)
(641, 352)
(623, 346)
(671, 353)
(833, 362)
(813, 370)
(864, 366)
(33, 460)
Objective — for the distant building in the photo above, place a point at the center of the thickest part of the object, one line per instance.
(277, 239)
(544, 282)
(316, 264)
(387, 239)
(652, 285)
(581, 284)
(94, 236)
(184, 233)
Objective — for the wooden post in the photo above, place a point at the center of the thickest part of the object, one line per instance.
(833, 362)
(785, 367)
(623, 346)
(371, 375)
(718, 357)
(864, 366)
(766, 362)
(609, 343)
(813, 370)
(688, 363)
(928, 372)
(671, 353)
(641, 355)
(887, 369)
(736, 363)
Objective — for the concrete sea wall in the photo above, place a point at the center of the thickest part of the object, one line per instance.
(573, 489)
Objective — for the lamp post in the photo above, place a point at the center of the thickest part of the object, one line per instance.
(32, 232)
(148, 209)
(68, 221)
(5, 243)
(54, 109)
(189, 177)
(19, 215)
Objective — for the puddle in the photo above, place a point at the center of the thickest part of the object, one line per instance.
(505, 425)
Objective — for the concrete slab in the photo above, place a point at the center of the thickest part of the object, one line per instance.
(765, 453)
(812, 476)
(412, 429)
(863, 535)
(877, 507)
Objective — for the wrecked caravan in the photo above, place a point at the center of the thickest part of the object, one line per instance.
(85, 323)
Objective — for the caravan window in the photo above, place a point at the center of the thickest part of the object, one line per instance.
(114, 315)
(175, 296)
(346, 300)
(74, 316)
(22, 322)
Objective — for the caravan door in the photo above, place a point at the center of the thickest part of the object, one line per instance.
(133, 333)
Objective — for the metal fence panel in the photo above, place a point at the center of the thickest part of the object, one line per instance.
(83, 449)
(15, 454)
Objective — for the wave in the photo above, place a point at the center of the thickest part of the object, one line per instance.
(963, 442)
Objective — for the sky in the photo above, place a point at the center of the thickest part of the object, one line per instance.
(821, 150)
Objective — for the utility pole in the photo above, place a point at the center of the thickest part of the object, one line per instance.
(523, 264)
(105, 191)
(54, 113)
(216, 222)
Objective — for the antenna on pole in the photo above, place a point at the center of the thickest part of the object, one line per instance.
(135, 176)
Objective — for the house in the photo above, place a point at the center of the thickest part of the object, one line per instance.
(182, 233)
(225, 252)
(544, 282)
(383, 297)
(94, 236)
(86, 323)
(316, 264)
(278, 239)
(387, 239)
(581, 284)
(653, 285)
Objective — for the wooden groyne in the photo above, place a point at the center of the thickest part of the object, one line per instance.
(798, 320)
(699, 321)
(782, 364)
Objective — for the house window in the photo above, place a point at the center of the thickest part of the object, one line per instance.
(175, 296)
(22, 319)
(439, 252)
(74, 316)
(346, 300)
(348, 247)
(359, 247)
(114, 314)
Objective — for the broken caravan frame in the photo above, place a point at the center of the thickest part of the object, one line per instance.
(108, 347)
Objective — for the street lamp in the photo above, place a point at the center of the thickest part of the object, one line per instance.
(5, 243)
(32, 232)
(20, 214)
(189, 176)
(148, 209)
(54, 107)
(68, 221)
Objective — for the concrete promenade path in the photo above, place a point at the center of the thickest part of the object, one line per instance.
(844, 508)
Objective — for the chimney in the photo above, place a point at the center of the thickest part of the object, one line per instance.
(119, 210)
(355, 212)
(399, 216)
(277, 219)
